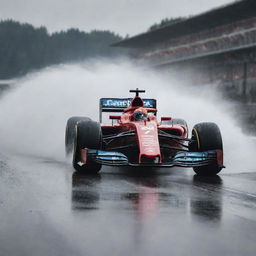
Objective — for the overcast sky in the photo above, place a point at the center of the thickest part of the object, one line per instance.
(121, 16)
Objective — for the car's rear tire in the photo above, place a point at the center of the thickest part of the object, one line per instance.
(206, 136)
(179, 121)
(70, 132)
(88, 134)
(175, 121)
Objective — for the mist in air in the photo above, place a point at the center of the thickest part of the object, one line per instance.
(34, 113)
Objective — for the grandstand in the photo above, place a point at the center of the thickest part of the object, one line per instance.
(219, 45)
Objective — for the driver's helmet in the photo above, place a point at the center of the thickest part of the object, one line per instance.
(140, 114)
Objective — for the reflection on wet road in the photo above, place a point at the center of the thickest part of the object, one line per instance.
(46, 209)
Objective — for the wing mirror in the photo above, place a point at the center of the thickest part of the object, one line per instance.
(166, 118)
(115, 117)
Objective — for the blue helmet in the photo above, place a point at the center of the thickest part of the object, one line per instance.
(139, 116)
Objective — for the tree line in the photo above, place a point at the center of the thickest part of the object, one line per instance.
(24, 48)
(166, 22)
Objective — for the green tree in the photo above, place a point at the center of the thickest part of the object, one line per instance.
(165, 22)
(24, 48)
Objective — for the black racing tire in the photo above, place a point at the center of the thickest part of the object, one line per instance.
(178, 121)
(70, 132)
(175, 121)
(206, 136)
(88, 134)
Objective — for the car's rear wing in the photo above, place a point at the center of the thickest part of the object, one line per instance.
(118, 105)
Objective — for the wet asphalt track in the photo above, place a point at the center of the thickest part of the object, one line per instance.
(46, 209)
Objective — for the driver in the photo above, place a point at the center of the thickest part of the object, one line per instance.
(140, 114)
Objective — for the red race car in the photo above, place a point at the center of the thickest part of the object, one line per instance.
(137, 138)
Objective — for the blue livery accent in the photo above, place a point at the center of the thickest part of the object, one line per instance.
(107, 157)
(110, 103)
(182, 159)
(194, 157)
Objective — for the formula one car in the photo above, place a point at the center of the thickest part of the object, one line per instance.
(137, 139)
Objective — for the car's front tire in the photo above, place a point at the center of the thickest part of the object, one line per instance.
(206, 136)
(70, 132)
(88, 134)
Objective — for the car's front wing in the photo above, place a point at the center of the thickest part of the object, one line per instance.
(181, 159)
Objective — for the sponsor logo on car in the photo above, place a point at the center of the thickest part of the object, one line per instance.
(125, 103)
